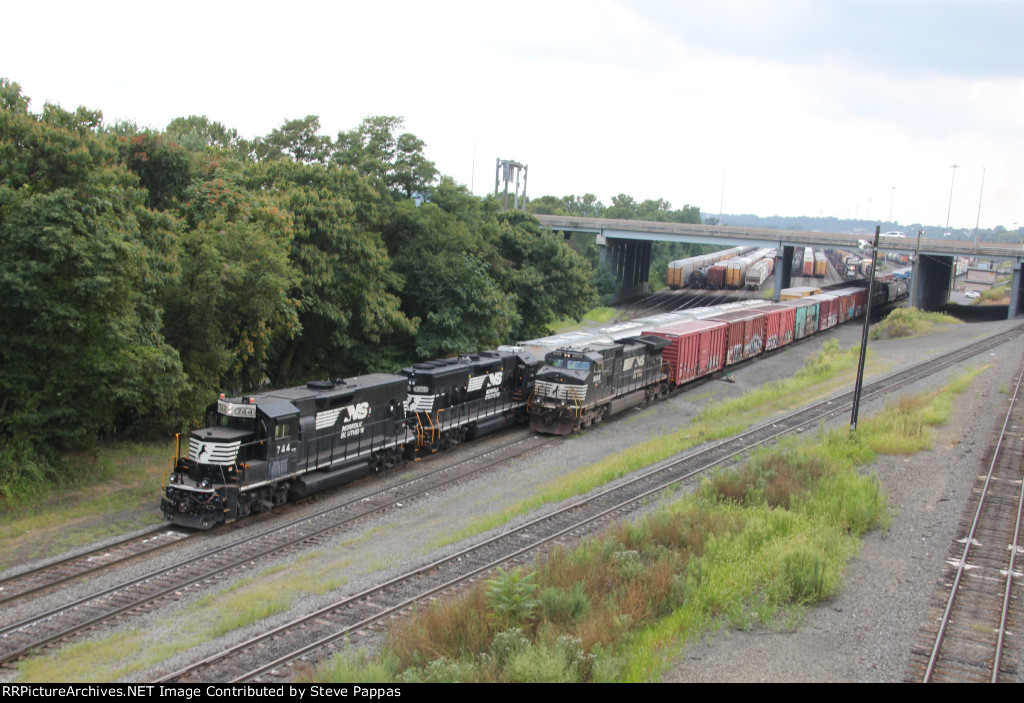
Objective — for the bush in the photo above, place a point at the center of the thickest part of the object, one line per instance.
(510, 595)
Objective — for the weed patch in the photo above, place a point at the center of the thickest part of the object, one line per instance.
(910, 322)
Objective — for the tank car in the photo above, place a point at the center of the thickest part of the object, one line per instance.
(261, 450)
(699, 278)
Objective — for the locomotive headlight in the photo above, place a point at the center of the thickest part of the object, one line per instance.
(174, 478)
(205, 483)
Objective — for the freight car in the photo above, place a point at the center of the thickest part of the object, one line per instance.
(758, 273)
(820, 265)
(680, 272)
(808, 263)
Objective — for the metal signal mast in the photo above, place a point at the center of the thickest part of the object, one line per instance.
(503, 172)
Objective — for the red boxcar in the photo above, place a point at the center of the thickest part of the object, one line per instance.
(828, 312)
(716, 277)
(697, 348)
(780, 325)
(854, 302)
(746, 334)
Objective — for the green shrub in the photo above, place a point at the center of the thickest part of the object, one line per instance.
(510, 595)
(560, 607)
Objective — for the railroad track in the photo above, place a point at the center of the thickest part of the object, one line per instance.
(57, 625)
(973, 633)
(33, 582)
(305, 641)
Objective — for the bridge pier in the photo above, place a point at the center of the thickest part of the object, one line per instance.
(933, 279)
(630, 261)
(783, 270)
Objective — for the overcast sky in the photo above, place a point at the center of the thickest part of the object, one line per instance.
(799, 108)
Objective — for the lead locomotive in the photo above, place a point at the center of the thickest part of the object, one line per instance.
(262, 450)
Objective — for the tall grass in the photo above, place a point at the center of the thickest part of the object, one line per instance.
(994, 294)
(752, 546)
(910, 322)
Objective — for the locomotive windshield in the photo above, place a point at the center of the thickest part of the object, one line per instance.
(570, 364)
(238, 423)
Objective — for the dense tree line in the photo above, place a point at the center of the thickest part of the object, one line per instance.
(142, 271)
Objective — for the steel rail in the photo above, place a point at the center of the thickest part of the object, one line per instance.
(944, 622)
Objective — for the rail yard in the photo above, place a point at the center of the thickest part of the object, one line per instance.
(413, 516)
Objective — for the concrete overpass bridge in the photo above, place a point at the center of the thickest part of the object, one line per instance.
(628, 252)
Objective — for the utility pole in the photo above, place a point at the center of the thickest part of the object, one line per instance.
(864, 335)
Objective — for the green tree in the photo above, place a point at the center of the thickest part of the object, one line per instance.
(83, 352)
(231, 305)
(297, 140)
(548, 278)
(197, 133)
(376, 149)
(446, 262)
(346, 290)
(164, 168)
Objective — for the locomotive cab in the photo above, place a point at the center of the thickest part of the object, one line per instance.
(242, 444)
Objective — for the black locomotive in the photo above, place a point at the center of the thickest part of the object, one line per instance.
(262, 450)
(258, 451)
(583, 385)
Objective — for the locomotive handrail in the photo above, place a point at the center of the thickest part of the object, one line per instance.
(167, 472)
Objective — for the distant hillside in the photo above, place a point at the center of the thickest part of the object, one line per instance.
(832, 224)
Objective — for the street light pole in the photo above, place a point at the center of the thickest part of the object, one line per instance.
(980, 193)
(950, 208)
